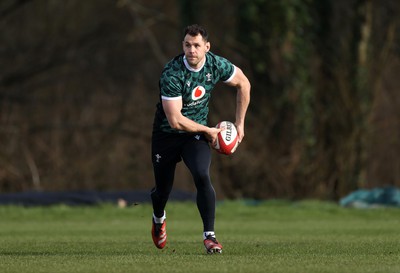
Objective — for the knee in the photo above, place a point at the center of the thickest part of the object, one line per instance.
(201, 173)
(202, 178)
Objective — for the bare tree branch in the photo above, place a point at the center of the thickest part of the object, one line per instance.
(144, 26)
(32, 167)
(13, 7)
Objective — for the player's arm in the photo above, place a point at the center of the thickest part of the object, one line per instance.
(242, 85)
(176, 120)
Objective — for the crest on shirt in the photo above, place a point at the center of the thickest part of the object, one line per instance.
(208, 75)
(198, 92)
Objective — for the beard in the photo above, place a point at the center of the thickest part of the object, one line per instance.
(194, 62)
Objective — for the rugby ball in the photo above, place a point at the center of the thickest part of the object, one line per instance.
(227, 140)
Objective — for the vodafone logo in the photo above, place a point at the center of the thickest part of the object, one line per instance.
(198, 92)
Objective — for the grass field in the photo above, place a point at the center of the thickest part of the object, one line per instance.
(270, 236)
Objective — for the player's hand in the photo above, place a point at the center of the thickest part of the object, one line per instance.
(212, 135)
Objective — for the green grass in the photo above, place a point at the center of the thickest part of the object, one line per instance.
(270, 236)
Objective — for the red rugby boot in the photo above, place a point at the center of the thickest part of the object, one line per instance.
(159, 234)
(212, 246)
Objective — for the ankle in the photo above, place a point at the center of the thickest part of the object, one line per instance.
(160, 220)
(208, 233)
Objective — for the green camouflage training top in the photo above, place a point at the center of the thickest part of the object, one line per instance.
(179, 81)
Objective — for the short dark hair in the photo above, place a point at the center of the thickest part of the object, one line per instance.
(194, 30)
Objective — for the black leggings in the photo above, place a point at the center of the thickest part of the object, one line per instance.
(167, 151)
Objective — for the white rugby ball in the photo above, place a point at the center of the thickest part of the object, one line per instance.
(227, 140)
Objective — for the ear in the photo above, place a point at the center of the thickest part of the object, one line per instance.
(208, 46)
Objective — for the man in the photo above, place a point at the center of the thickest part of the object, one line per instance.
(180, 130)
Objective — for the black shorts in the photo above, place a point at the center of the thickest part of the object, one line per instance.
(168, 147)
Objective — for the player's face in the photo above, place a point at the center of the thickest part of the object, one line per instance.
(195, 49)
